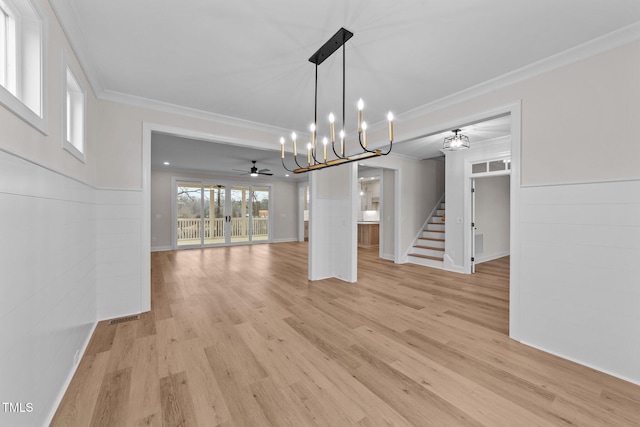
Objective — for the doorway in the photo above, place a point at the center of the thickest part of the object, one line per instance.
(207, 213)
(490, 218)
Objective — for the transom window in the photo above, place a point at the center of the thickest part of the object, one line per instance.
(491, 166)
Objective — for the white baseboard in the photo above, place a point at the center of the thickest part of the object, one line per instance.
(388, 257)
(579, 362)
(491, 257)
(67, 382)
(161, 248)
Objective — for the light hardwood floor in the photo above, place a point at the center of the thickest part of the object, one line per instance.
(239, 337)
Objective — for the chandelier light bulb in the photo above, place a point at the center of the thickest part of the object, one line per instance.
(390, 118)
(364, 134)
(282, 147)
(332, 129)
(293, 140)
(360, 104)
(360, 114)
(324, 143)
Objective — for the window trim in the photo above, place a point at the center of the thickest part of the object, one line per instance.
(15, 102)
(79, 94)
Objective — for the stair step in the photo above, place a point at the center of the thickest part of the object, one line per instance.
(427, 257)
(437, 235)
(428, 247)
(433, 231)
(431, 238)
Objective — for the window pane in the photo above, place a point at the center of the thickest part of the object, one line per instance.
(3, 48)
(479, 167)
(260, 211)
(497, 165)
(189, 212)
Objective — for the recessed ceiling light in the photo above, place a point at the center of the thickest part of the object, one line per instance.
(286, 174)
(166, 163)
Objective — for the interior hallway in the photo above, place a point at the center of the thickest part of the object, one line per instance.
(238, 336)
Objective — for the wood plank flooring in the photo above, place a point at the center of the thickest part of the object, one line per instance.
(239, 337)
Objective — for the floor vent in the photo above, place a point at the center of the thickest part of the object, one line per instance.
(124, 319)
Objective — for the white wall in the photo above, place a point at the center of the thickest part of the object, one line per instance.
(283, 204)
(387, 214)
(492, 216)
(332, 223)
(48, 245)
(580, 288)
(119, 265)
(48, 286)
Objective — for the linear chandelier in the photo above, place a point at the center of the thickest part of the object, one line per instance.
(314, 160)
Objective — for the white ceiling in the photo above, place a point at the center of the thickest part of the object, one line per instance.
(249, 59)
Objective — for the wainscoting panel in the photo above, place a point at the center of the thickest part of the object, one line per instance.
(48, 285)
(580, 273)
(119, 256)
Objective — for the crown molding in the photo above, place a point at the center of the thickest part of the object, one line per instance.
(76, 39)
(152, 104)
(578, 53)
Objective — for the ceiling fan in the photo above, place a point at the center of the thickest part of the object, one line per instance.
(254, 170)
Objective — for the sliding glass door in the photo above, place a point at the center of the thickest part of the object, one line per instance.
(208, 213)
(260, 213)
(189, 214)
(215, 224)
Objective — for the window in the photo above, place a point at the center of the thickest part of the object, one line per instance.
(491, 166)
(21, 64)
(7, 48)
(74, 113)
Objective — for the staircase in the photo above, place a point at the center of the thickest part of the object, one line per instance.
(428, 248)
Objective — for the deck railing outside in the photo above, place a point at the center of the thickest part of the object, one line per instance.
(189, 228)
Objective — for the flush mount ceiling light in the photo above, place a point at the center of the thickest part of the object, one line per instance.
(316, 160)
(456, 142)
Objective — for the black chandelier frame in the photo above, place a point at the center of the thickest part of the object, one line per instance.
(338, 40)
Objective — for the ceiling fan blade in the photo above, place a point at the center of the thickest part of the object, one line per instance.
(265, 173)
(264, 170)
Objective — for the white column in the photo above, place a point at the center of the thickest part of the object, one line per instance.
(333, 232)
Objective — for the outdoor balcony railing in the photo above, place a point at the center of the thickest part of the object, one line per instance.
(190, 228)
